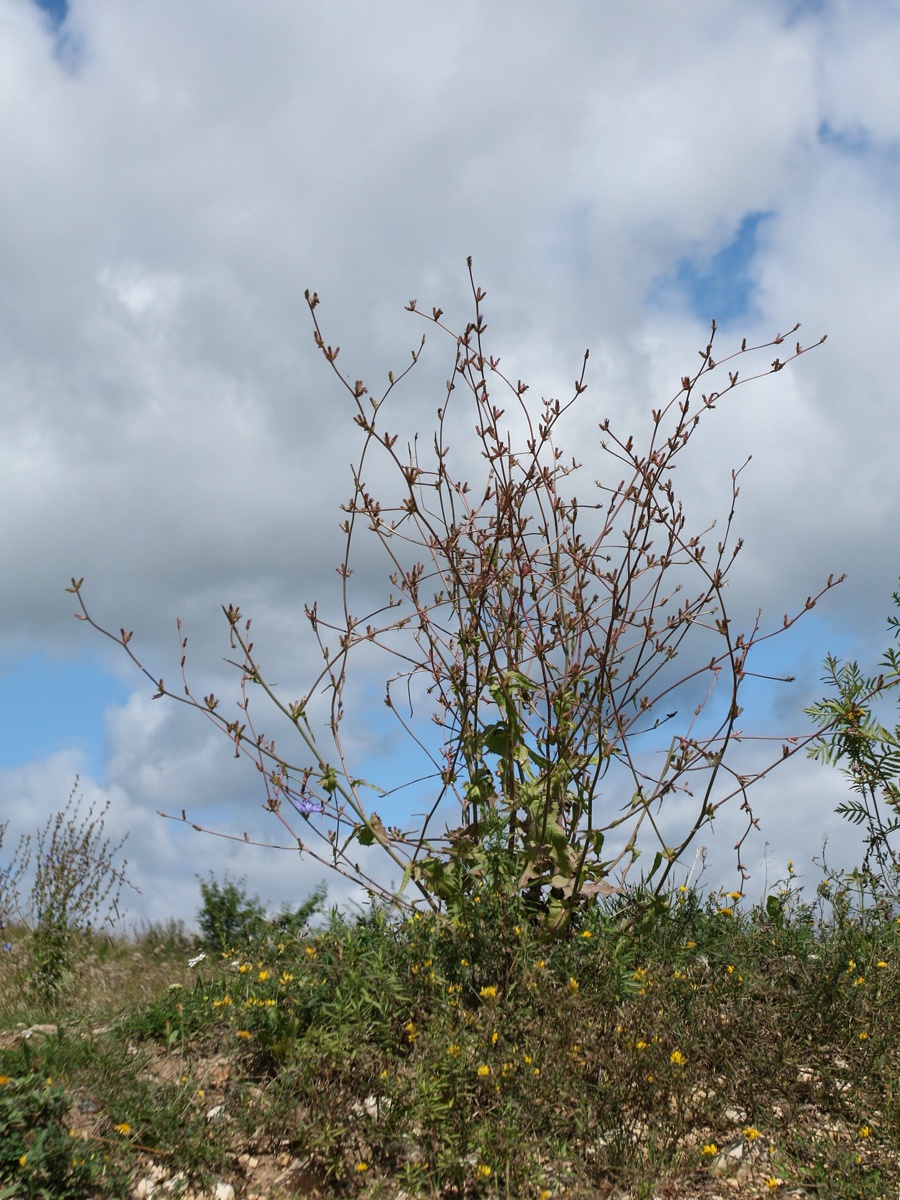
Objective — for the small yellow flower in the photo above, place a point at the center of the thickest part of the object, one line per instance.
(730, 969)
(641, 1045)
(726, 912)
(483, 1171)
(488, 993)
(751, 1133)
(710, 1149)
(362, 1166)
(572, 985)
(864, 1131)
(735, 895)
(263, 976)
(463, 962)
(495, 1037)
(677, 1058)
(124, 1129)
(453, 1050)
(773, 1183)
(23, 1160)
(311, 951)
(863, 1037)
(586, 933)
(244, 1033)
(881, 965)
(4, 1080)
(484, 1071)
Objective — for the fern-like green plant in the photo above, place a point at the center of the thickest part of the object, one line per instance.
(867, 752)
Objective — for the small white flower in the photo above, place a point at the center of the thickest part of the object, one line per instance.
(192, 962)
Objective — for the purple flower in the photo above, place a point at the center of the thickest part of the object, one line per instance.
(7, 946)
(305, 805)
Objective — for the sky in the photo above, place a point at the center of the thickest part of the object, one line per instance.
(175, 176)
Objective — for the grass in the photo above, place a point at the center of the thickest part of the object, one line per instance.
(709, 1048)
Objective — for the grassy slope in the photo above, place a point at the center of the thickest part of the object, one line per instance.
(467, 1059)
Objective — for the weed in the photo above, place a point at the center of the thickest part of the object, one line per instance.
(546, 636)
(230, 919)
(467, 1055)
(39, 1156)
(75, 888)
(868, 754)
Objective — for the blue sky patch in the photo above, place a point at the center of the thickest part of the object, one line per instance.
(798, 9)
(720, 287)
(48, 706)
(854, 141)
(56, 10)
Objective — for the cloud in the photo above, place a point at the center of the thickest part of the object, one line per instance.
(174, 179)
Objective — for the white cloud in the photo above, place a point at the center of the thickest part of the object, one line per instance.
(171, 188)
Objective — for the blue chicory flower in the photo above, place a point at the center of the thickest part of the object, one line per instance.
(306, 805)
